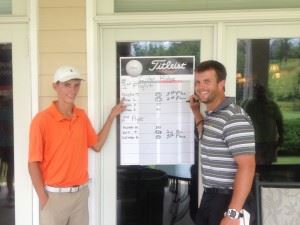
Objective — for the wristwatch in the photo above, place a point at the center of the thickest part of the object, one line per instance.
(233, 214)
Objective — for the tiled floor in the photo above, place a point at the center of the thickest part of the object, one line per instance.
(7, 210)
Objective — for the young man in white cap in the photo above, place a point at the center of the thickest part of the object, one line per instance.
(58, 152)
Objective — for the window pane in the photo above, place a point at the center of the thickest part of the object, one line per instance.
(7, 211)
(5, 6)
(268, 87)
(153, 194)
(193, 5)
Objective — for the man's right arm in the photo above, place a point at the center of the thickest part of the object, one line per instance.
(195, 106)
(37, 181)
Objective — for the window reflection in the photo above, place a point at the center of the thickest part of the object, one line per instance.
(268, 70)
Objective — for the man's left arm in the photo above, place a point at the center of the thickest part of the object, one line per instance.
(239, 135)
(242, 184)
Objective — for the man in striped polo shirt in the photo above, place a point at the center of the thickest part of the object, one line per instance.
(227, 143)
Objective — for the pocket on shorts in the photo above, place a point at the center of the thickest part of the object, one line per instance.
(46, 213)
(46, 205)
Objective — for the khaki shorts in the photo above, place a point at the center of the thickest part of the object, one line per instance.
(66, 208)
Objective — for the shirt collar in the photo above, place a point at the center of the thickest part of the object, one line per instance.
(58, 115)
(226, 102)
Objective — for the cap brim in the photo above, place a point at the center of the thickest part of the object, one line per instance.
(69, 78)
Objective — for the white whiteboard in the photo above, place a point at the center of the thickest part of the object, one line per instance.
(158, 125)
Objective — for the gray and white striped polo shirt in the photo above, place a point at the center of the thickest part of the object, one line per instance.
(228, 132)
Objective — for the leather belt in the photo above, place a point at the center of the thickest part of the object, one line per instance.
(71, 189)
(218, 191)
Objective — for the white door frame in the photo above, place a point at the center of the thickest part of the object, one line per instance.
(17, 35)
(21, 31)
(105, 187)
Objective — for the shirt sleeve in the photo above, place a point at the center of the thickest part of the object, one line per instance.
(239, 135)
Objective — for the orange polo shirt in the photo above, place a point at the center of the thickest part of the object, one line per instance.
(61, 145)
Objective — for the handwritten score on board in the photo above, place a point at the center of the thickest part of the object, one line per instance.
(158, 125)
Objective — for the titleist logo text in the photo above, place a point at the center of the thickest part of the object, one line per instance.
(163, 64)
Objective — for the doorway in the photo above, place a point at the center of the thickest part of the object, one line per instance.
(167, 188)
(15, 102)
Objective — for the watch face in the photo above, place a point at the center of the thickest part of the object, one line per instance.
(232, 213)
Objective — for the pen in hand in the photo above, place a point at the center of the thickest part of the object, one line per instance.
(195, 100)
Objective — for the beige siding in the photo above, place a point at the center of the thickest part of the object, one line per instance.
(50, 61)
(62, 41)
(62, 3)
(62, 18)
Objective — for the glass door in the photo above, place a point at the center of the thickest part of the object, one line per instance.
(264, 72)
(7, 193)
(15, 114)
(264, 68)
(144, 192)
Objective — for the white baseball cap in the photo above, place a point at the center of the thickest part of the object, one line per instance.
(65, 73)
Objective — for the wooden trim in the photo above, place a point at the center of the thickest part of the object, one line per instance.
(14, 20)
